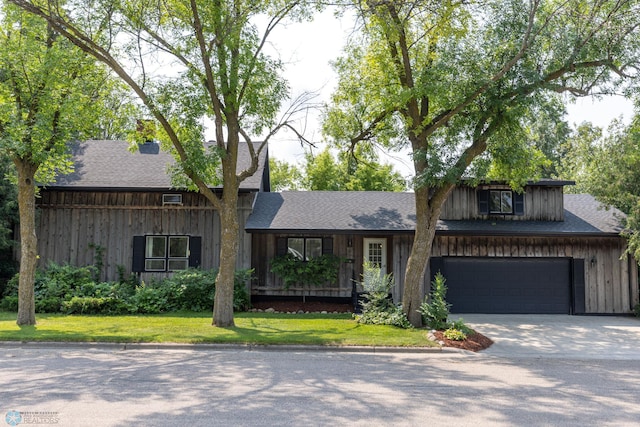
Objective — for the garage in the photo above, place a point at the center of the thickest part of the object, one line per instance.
(507, 285)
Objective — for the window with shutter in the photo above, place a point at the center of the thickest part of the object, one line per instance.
(165, 253)
(500, 202)
(304, 248)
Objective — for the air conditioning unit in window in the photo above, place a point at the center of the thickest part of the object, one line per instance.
(172, 199)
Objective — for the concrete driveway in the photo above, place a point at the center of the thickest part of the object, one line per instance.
(559, 336)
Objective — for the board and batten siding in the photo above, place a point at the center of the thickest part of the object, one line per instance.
(611, 279)
(540, 204)
(70, 224)
(267, 283)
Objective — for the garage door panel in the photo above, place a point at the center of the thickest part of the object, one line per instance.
(507, 285)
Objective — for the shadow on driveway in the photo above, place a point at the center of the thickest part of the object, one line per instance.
(561, 336)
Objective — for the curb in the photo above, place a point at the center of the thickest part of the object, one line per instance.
(220, 347)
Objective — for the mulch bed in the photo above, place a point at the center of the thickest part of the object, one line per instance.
(474, 342)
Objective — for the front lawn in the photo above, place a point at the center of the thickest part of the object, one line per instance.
(188, 327)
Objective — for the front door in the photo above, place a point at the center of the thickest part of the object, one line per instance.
(375, 251)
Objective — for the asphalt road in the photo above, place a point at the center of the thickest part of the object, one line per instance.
(234, 387)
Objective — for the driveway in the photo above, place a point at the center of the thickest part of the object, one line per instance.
(559, 336)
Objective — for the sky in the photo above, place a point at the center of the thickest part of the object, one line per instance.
(307, 50)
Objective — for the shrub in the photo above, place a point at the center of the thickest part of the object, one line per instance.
(377, 307)
(192, 289)
(48, 305)
(72, 290)
(9, 303)
(241, 297)
(454, 334)
(315, 271)
(460, 326)
(435, 309)
(636, 310)
(149, 300)
(95, 305)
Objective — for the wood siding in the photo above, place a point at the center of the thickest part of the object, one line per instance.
(76, 222)
(266, 283)
(540, 204)
(611, 280)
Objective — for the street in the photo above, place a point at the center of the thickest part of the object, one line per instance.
(98, 387)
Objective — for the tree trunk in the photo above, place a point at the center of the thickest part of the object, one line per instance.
(427, 215)
(28, 242)
(223, 302)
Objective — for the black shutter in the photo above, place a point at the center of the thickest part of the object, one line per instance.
(281, 246)
(518, 204)
(327, 246)
(138, 254)
(195, 251)
(483, 202)
(577, 284)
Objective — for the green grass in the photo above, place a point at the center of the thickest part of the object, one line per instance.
(194, 328)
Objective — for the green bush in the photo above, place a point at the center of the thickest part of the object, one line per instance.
(316, 271)
(48, 305)
(454, 334)
(435, 309)
(241, 297)
(149, 300)
(95, 305)
(460, 326)
(192, 289)
(377, 307)
(9, 303)
(72, 290)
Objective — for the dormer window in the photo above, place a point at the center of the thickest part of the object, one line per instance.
(500, 202)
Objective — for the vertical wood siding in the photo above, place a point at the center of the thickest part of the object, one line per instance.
(267, 283)
(540, 203)
(611, 280)
(70, 223)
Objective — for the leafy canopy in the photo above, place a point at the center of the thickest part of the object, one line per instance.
(440, 77)
(48, 93)
(608, 167)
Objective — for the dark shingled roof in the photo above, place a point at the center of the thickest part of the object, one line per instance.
(385, 212)
(108, 165)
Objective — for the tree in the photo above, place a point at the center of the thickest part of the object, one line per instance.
(284, 176)
(322, 173)
(212, 56)
(351, 171)
(48, 96)
(578, 156)
(460, 82)
(8, 203)
(608, 167)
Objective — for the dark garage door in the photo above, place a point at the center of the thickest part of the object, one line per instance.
(507, 285)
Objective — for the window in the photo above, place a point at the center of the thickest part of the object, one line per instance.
(171, 199)
(165, 253)
(305, 248)
(500, 202)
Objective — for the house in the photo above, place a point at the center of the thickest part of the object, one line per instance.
(122, 207)
(541, 251)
